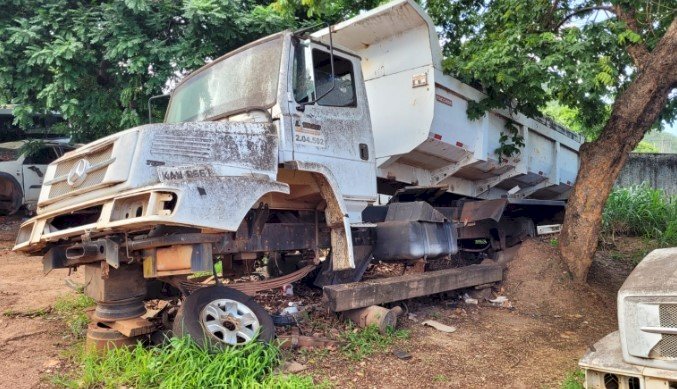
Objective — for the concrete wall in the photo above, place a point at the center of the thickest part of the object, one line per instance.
(658, 170)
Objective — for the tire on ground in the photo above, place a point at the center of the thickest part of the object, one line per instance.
(188, 318)
(11, 195)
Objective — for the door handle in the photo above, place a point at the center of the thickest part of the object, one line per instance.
(364, 151)
(36, 170)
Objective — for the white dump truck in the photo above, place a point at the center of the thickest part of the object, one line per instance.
(643, 353)
(309, 155)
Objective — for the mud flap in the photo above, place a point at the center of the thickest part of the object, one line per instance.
(327, 276)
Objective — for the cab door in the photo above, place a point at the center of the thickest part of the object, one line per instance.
(33, 171)
(330, 119)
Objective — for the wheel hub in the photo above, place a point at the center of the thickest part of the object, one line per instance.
(229, 321)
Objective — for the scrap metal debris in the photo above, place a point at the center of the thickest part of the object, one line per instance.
(291, 310)
(501, 301)
(439, 326)
(154, 307)
(469, 300)
(401, 354)
(295, 341)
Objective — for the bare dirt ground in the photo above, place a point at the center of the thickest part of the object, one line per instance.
(533, 344)
(31, 341)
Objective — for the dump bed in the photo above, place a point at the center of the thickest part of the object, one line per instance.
(422, 134)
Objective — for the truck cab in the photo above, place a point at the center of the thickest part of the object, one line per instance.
(313, 94)
(251, 118)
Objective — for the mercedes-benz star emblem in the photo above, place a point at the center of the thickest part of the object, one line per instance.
(78, 173)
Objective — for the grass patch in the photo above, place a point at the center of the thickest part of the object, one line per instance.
(182, 364)
(440, 378)
(574, 380)
(641, 211)
(31, 313)
(71, 309)
(361, 343)
(178, 363)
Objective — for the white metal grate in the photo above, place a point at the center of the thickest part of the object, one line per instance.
(96, 177)
(667, 346)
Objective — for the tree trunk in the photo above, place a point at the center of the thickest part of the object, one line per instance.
(636, 109)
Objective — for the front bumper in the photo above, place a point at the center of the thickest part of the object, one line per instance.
(605, 368)
(218, 203)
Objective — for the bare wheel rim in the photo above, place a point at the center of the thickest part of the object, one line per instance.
(229, 321)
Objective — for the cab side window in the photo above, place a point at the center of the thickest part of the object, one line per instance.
(308, 87)
(343, 94)
(41, 156)
(63, 149)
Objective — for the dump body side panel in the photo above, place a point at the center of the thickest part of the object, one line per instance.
(422, 133)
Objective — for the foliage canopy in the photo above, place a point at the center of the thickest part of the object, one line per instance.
(97, 63)
(527, 54)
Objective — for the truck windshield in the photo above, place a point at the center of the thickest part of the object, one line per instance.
(244, 79)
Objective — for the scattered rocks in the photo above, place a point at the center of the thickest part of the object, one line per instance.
(293, 367)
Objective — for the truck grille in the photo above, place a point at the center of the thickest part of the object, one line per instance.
(667, 346)
(668, 315)
(100, 158)
(183, 145)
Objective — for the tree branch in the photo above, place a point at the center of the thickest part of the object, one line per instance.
(547, 20)
(638, 51)
(583, 10)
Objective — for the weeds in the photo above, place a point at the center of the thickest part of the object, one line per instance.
(440, 378)
(641, 211)
(313, 355)
(178, 363)
(573, 380)
(359, 344)
(31, 313)
(181, 363)
(71, 308)
(218, 268)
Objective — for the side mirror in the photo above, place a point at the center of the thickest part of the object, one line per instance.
(150, 110)
(302, 106)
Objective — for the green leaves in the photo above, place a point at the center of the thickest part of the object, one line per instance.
(180, 363)
(98, 62)
(204, 9)
(510, 141)
(138, 5)
(629, 36)
(526, 53)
